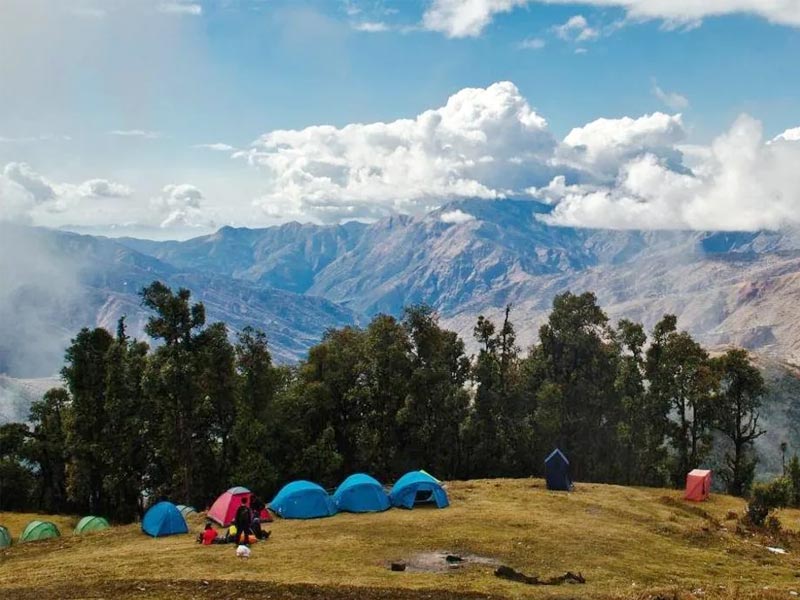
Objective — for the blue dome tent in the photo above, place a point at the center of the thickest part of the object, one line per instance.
(417, 487)
(556, 468)
(302, 500)
(163, 519)
(361, 493)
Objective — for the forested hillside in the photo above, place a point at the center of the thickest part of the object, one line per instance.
(196, 413)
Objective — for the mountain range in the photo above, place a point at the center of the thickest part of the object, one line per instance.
(466, 258)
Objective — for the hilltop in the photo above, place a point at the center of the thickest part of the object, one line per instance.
(627, 543)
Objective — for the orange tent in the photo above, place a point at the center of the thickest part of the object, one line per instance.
(698, 485)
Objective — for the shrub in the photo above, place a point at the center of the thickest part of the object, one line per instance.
(766, 497)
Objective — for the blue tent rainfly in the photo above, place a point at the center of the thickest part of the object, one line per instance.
(163, 519)
(417, 487)
(556, 468)
(361, 493)
(302, 500)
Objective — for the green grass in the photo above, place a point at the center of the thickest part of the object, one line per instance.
(627, 542)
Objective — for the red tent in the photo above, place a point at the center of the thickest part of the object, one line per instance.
(698, 485)
(223, 511)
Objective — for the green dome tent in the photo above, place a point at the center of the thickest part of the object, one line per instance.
(91, 523)
(39, 530)
(5, 537)
(186, 510)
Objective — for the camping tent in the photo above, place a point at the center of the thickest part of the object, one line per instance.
(361, 493)
(91, 523)
(223, 511)
(163, 519)
(556, 468)
(39, 530)
(5, 537)
(417, 487)
(186, 510)
(698, 485)
(302, 500)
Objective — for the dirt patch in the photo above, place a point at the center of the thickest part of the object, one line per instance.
(442, 561)
(227, 590)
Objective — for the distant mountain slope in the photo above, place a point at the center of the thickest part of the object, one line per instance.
(473, 257)
(93, 281)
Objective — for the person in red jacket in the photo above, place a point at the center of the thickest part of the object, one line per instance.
(209, 535)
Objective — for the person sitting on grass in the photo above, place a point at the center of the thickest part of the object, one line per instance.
(209, 535)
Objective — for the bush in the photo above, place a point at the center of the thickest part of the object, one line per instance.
(766, 497)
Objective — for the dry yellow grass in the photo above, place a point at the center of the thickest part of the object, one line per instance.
(627, 542)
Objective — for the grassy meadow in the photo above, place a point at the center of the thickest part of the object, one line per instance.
(627, 543)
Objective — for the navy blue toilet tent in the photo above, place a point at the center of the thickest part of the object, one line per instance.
(417, 487)
(163, 519)
(556, 467)
(361, 493)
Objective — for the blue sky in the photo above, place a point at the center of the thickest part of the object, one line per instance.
(176, 75)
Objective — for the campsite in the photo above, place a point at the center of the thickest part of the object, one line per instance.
(626, 542)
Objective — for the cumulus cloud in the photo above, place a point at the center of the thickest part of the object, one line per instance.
(103, 188)
(790, 135)
(601, 146)
(23, 192)
(672, 100)
(456, 217)
(576, 29)
(482, 143)
(741, 183)
(459, 18)
(468, 18)
(180, 205)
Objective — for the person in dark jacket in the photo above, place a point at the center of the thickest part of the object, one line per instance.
(243, 520)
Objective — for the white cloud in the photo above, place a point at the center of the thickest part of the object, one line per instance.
(741, 183)
(140, 133)
(218, 146)
(482, 143)
(180, 205)
(576, 29)
(456, 217)
(371, 26)
(180, 8)
(532, 44)
(37, 186)
(672, 100)
(468, 18)
(601, 146)
(103, 188)
(24, 193)
(790, 135)
(465, 18)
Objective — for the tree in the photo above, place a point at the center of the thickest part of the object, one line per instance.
(47, 449)
(642, 429)
(681, 378)
(577, 407)
(85, 375)
(741, 389)
(180, 408)
(257, 384)
(497, 428)
(126, 437)
(17, 479)
(436, 403)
